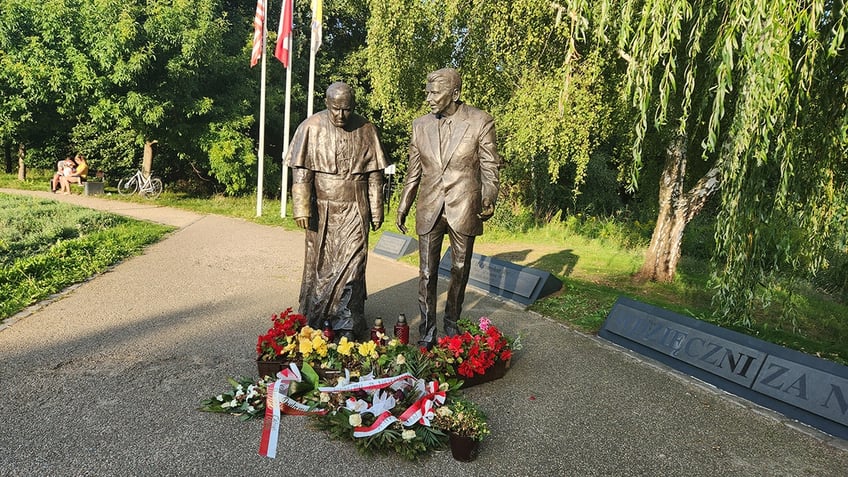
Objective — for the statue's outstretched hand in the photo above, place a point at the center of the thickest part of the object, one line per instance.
(302, 222)
(401, 218)
(375, 225)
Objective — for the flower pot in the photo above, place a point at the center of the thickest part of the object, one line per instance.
(273, 366)
(463, 449)
(496, 371)
(270, 367)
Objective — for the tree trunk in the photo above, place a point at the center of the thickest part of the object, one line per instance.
(21, 162)
(677, 208)
(147, 160)
(7, 151)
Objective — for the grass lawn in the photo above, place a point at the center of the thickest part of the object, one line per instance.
(46, 246)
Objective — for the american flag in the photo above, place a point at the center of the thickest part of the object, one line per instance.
(258, 30)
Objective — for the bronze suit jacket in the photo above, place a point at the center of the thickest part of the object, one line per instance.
(459, 181)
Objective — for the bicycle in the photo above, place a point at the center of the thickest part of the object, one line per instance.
(149, 186)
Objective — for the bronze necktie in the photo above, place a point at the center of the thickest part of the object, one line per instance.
(444, 137)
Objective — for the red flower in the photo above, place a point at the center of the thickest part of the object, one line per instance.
(285, 324)
(476, 349)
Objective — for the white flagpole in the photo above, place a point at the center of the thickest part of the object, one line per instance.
(261, 153)
(286, 128)
(311, 93)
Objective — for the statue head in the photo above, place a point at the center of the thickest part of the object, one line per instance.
(340, 103)
(442, 91)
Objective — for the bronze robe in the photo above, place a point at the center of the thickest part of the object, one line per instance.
(337, 176)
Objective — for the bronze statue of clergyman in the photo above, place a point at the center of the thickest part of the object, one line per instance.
(453, 168)
(337, 194)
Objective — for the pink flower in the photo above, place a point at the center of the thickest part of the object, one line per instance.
(485, 323)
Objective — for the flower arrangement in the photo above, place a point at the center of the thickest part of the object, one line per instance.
(476, 348)
(463, 418)
(386, 396)
(246, 399)
(281, 340)
(381, 415)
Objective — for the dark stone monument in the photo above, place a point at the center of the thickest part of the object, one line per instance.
(394, 245)
(523, 285)
(800, 386)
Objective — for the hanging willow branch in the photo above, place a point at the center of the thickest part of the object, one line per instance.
(761, 86)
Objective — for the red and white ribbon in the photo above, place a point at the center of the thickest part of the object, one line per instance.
(277, 401)
(367, 385)
(423, 409)
(271, 424)
(385, 420)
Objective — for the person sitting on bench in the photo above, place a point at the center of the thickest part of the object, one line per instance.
(63, 168)
(78, 177)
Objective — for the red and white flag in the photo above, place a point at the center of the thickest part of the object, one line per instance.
(283, 50)
(258, 31)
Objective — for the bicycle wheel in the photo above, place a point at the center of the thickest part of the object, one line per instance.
(127, 186)
(155, 189)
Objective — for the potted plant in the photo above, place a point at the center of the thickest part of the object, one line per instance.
(465, 425)
(479, 353)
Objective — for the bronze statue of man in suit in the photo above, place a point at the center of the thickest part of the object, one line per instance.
(337, 194)
(454, 170)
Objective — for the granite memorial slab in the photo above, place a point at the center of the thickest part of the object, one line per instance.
(394, 245)
(523, 285)
(798, 385)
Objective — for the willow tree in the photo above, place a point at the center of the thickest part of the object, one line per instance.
(513, 57)
(758, 90)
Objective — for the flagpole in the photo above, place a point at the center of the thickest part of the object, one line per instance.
(311, 93)
(261, 153)
(286, 128)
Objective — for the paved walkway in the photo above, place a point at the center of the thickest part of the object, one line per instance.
(106, 380)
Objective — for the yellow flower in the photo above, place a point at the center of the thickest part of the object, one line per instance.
(345, 346)
(289, 347)
(408, 434)
(319, 345)
(325, 397)
(444, 411)
(306, 332)
(305, 346)
(369, 348)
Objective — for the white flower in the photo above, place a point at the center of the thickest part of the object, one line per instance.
(251, 409)
(400, 359)
(408, 434)
(220, 398)
(251, 394)
(239, 388)
(239, 393)
(233, 403)
(325, 397)
(444, 387)
(444, 411)
(355, 420)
